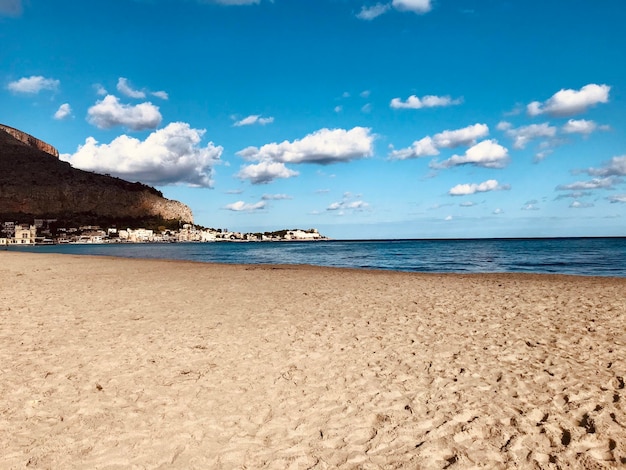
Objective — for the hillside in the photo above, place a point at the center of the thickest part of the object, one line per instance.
(35, 183)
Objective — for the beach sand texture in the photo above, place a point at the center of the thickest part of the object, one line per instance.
(114, 364)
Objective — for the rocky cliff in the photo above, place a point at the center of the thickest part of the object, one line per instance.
(30, 140)
(35, 183)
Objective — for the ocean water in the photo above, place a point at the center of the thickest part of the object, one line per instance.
(578, 256)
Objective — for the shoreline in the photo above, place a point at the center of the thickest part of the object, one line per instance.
(117, 362)
(30, 250)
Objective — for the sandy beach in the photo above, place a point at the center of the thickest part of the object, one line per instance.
(112, 363)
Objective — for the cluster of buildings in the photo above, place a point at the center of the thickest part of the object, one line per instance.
(44, 231)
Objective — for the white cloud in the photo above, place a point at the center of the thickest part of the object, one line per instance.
(237, 2)
(498, 211)
(338, 109)
(428, 101)
(504, 126)
(109, 112)
(570, 102)
(33, 84)
(254, 119)
(265, 172)
(100, 90)
(582, 126)
(424, 147)
(374, 11)
(348, 205)
(63, 112)
(467, 204)
(366, 108)
(416, 6)
(574, 195)
(168, 156)
(365, 94)
(241, 206)
(618, 198)
(369, 13)
(596, 183)
(324, 146)
(448, 218)
(276, 197)
(614, 167)
(125, 89)
(522, 135)
(10, 7)
(580, 205)
(488, 154)
(530, 206)
(465, 136)
(473, 188)
(429, 146)
(161, 94)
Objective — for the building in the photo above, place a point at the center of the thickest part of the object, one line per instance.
(24, 235)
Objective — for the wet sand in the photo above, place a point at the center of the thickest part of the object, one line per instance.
(112, 363)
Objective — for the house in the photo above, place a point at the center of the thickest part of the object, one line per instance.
(24, 235)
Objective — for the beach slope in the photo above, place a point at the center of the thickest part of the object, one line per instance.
(115, 363)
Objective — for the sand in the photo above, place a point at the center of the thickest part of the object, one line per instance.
(114, 364)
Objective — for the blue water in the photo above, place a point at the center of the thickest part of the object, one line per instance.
(579, 256)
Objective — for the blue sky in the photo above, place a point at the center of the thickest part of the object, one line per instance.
(365, 119)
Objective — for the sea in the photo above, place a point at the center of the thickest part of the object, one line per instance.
(576, 256)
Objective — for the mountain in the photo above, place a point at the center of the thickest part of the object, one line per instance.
(34, 183)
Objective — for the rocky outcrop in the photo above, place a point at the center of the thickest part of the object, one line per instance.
(35, 183)
(30, 140)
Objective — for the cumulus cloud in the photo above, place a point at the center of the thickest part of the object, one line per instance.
(473, 188)
(233, 2)
(109, 112)
(348, 204)
(63, 112)
(616, 166)
(580, 205)
(167, 156)
(161, 94)
(596, 183)
(276, 197)
(241, 206)
(33, 85)
(570, 102)
(100, 90)
(254, 119)
(530, 206)
(123, 86)
(498, 211)
(429, 146)
(416, 6)
(374, 11)
(465, 136)
(323, 147)
(265, 172)
(487, 154)
(425, 147)
(581, 126)
(524, 134)
(10, 7)
(574, 195)
(368, 13)
(618, 198)
(428, 101)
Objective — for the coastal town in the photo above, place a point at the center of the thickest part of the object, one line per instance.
(47, 232)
